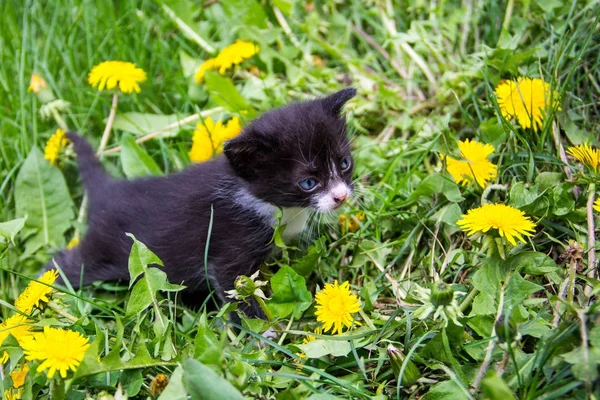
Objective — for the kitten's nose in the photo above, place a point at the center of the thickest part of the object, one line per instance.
(340, 197)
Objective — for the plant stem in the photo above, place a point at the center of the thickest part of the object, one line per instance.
(591, 236)
(285, 26)
(264, 307)
(62, 312)
(109, 124)
(468, 300)
(59, 120)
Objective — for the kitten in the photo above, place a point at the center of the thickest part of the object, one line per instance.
(296, 157)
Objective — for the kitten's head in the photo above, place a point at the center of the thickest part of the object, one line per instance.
(298, 155)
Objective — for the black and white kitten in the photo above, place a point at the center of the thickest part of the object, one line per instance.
(296, 157)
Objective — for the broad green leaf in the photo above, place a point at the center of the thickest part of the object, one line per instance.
(445, 390)
(307, 263)
(41, 193)
(136, 162)
(245, 12)
(140, 257)
(205, 337)
(532, 263)
(494, 388)
(595, 336)
(487, 281)
(144, 123)
(290, 295)
(132, 380)
(517, 290)
(189, 64)
(437, 184)
(175, 390)
(548, 179)
(9, 229)
(321, 347)
(145, 290)
(201, 382)
(285, 5)
(224, 93)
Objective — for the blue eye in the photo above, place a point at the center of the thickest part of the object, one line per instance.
(345, 163)
(308, 183)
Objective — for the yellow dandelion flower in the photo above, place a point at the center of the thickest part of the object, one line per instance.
(235, 54)
(510, 222)
(18, 326)
(310, 338)
(36, 292)
(73, 242)
(475, 166)
(597, 204)
(109, 74)
(209, 138)
(528, 100)
(335, 306)
(587, 155)
(18, 376)
(158, 384)
(11, 394)
(60, 350)
(350, 223)
(54, 146)
(206, 66)
(4, 358)
(36, 83)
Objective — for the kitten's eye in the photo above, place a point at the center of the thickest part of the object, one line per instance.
(308, 184)
(345, 163)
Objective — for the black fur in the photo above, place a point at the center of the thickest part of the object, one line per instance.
(171, 214)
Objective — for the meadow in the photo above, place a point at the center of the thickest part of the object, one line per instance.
(464, 266)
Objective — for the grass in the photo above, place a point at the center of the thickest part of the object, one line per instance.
(426, 74)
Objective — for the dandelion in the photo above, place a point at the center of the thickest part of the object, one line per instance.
(587, 155)
(109, 74)
(509, 222)
(11, 394)
(247, 286)
(55, 145)
(597, 204)
(73, 242)
(36, 292)
(307, 339)
(36, 84)
(18, 376)
(158, 384)
(233, 54)
(527, 100)
(475, 166)
(335, 306)
(209, 138)
(17, 326)
(206, 66)
(60, 350)
(351, 223)
(440, 300)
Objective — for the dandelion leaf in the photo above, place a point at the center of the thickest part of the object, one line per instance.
(201, 382)
(290, 295)
(136, 162)
(9, 229)
(41, 193)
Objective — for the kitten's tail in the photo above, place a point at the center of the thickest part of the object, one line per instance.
(92, 173)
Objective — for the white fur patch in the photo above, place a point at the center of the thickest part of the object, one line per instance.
(326, 202)
(249, 201)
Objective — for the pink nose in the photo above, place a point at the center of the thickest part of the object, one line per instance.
(339, 198)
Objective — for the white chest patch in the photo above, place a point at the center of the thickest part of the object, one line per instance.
(295, 220)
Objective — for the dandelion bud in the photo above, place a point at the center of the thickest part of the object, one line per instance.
(245, 286)
(158, 384)
(442, 294)
(506, 335)
(411, 372)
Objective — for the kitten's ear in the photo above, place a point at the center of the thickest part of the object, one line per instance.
(246, 155)
(334, 103)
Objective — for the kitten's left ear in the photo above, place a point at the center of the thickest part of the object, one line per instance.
(334, 103)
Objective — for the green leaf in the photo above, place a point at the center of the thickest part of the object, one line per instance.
(517, 290)
(532, 263)
(284, 5)
(175, 390)
(494, 388)
(322, 347)
(9, 229)
(290, 295)
(145, 290)
(224, 93)
(245, 12)
(140, 257)
(132, 381)
(487, 281)
(136, 162)
(205, 337)
(41, 193)
(307, 264)
(203, 383)
(445, 390)
(437, 184)
(144, 123)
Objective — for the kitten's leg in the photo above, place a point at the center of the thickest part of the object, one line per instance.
(72, 264)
